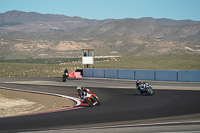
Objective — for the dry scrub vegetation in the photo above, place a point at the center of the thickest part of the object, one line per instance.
(55, 69)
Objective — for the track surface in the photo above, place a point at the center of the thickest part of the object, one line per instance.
(117, 105)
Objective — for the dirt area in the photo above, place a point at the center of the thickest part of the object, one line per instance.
(17, 103)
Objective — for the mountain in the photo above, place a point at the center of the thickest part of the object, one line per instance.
(169, 22)
(134, 28)
(36, 22)
(35, 35)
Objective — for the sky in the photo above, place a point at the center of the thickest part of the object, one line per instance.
(106, 9)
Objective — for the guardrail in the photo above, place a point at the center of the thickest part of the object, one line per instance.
(158, 75)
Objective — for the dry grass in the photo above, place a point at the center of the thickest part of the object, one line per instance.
(35, 70)
(164, 62)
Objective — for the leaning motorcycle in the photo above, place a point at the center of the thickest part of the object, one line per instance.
(148, 90)
(91, 99)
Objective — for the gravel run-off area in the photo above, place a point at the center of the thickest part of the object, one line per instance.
(14, 103)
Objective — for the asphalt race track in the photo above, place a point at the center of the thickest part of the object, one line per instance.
(118, 105)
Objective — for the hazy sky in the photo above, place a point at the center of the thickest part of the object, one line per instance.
(104, 9)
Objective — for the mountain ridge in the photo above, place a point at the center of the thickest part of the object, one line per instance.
(57, 17)
(169, 22)
(35, 35)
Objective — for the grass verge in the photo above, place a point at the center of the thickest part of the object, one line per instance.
(164, 62)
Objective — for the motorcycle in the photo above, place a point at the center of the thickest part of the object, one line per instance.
(90, 98)
(65, 75)
(146, 88)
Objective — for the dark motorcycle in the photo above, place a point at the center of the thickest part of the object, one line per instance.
(65, 75)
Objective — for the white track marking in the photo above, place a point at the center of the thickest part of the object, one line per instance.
(46, 93)
(125, 126)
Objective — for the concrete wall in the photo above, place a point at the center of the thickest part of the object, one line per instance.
(111, 73)
(166, 75)
(189, 76)
(159, 75)
(126, 74)
(87, 72)
(99, 73)
(144, 75)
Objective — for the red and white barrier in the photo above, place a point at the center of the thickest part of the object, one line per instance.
(75, 75)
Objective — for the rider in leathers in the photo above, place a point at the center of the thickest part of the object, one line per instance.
(82, 92)
(141, 86)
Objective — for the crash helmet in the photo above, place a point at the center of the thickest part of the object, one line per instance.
(79, 88)
(138, 81)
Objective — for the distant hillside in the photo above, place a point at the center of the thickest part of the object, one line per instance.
(36, 22)
(30, 17)
(169, 22)
(35, 35)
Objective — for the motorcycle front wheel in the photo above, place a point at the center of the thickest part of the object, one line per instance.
(89, 102)
(96, 100)
(149, 91)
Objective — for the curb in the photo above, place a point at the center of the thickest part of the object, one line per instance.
(78, 102)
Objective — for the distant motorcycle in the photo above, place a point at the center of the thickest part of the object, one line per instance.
(90, 98)
(148, 90)
(65, 75)
(144, 87)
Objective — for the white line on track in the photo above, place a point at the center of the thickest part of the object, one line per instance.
(46, 93)
(125, 126)
(182, 132)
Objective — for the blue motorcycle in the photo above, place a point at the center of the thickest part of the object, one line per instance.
(144, 87)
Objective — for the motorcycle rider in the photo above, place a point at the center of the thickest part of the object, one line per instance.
(82, 91)
(141, 86)
(65, 75)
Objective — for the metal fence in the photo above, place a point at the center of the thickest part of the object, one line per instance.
(158, 75)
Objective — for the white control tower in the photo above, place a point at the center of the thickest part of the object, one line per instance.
(87, 57)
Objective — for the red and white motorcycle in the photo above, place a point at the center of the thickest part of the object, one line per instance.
(90, 98)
